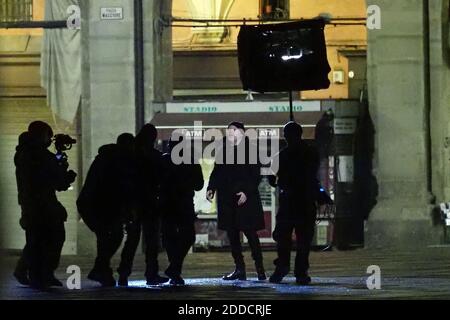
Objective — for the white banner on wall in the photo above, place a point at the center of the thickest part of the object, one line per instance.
(61, 62)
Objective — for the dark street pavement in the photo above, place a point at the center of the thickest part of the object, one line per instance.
(422, 274)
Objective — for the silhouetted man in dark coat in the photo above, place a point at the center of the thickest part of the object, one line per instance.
(178, 213)
(39, 176)
(239, 204)
(107, 202)
(150, 171)
(298, 189)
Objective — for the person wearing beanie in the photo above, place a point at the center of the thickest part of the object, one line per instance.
(235, 184)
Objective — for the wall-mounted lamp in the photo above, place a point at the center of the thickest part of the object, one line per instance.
(338, 77)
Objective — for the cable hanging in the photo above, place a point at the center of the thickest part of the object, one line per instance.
(211, 23)
(178, 22)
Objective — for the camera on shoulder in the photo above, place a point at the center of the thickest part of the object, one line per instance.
(63, 143)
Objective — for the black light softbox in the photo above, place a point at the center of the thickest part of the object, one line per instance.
(284, 57)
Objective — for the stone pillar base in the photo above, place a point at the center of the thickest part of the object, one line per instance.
(402, 227)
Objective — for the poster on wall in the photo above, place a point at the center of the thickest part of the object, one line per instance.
(345, 169)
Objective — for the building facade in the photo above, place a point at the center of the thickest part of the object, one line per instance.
(186, 62)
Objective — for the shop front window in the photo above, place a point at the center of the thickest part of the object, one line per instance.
(265, 191)
(16, 10)
(212, 10)
(274, 9)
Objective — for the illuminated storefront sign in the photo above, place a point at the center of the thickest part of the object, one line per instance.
(236, 107)
(262, 133)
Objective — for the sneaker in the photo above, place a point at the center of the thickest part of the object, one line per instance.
(22, 278)
(38, 285)
(104, 279)
(53, 282)
(303, 280)
(154, 281)
(237, 274)
(123, 281)
(278, 276)
(177, 281)
(261, 274)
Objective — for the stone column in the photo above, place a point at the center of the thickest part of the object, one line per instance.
(158, 56)
(108, 104)
(397, 96)
(440, 97)
(108, 98)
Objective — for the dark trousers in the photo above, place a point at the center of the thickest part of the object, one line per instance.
(133, 231)
(43, 251)
(236, 247)
(283, 236)
(22, 263)
(178, 238)
(108, 242)
(151, 232)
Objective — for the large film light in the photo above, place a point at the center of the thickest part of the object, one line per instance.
(284, 57)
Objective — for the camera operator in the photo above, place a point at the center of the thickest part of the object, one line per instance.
(39, 176)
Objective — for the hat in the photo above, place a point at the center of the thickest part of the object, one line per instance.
(237, 124)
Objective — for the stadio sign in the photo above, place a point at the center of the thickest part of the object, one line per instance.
(234, 107)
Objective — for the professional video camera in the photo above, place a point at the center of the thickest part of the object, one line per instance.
(63, 142)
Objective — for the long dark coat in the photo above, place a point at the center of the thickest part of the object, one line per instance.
(229, 179)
